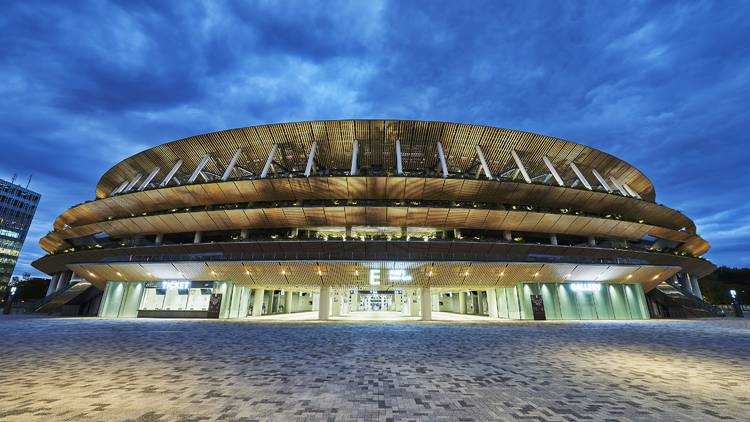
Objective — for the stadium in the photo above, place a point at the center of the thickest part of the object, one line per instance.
(405, 218)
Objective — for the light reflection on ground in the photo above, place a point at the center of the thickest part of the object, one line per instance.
(148, 370)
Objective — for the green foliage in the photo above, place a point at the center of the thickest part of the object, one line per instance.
(716, 286)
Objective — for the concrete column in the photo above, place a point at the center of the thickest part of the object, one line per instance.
(426, 302)
(258, 302)
(336, 305)
(414, 303)
(492, 303)
(552, 239)
(324, 303)
(348, 231)
(198, 237)
(315, 301)
(289, 296)
(592, 241)
(355, 302)
(398, 302)
(507, 235)
(461, 302)
(53, 283)
(159, 239)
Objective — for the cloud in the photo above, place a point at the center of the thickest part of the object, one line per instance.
(664, 86)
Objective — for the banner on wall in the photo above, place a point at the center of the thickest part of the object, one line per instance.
(537, 308)
(214, 305)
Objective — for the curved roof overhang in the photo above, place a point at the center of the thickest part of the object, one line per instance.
(372, 187)
(376, 140)
(261, 263)
(395, 216)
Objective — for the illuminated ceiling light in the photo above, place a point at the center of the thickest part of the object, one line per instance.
(247, 272)
(502, 273)
(568, 275)
(630, 276)
(655, 277)
(149, 274)
(356, 272)
(320, 272)
(466, 274)
(91, 274)
(430, 274)
(283, 272)
(213, 272)
(536, 274)
(118, 274)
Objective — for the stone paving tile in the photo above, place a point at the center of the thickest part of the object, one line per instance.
(165, 370)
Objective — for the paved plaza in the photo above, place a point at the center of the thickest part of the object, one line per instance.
(161, 370)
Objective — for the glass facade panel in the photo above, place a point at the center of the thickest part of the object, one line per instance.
(636, 304)
(619, 303)
(568, 309)
(131, 300)
(551, 303)
(593, 301)
(603, 305)
(112, 299)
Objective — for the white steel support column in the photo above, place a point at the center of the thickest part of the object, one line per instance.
(601, 180)
(132, 183)
(171, 174)
(552, 170)
(310, 159)
(399, 165)
(269, 160)
(119, 188)
(618, 186)
(159, 239)
(258, 302)
(324, 303)
(441, 156)
(631, 191)
(507, 235)
(355, 152)
(198, 237)
(520, 166)
(592, 241)
(580, 176)
(425, 301)
(485, 167)
(199, 168)
(232, 163)
(492, 303)
(552, 239)
(149, 178)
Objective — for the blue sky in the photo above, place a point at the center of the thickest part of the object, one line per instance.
(665, 86)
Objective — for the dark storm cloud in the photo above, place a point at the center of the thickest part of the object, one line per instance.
(662, 85)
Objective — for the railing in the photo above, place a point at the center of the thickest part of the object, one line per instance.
(373, 250)
(695, 299)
